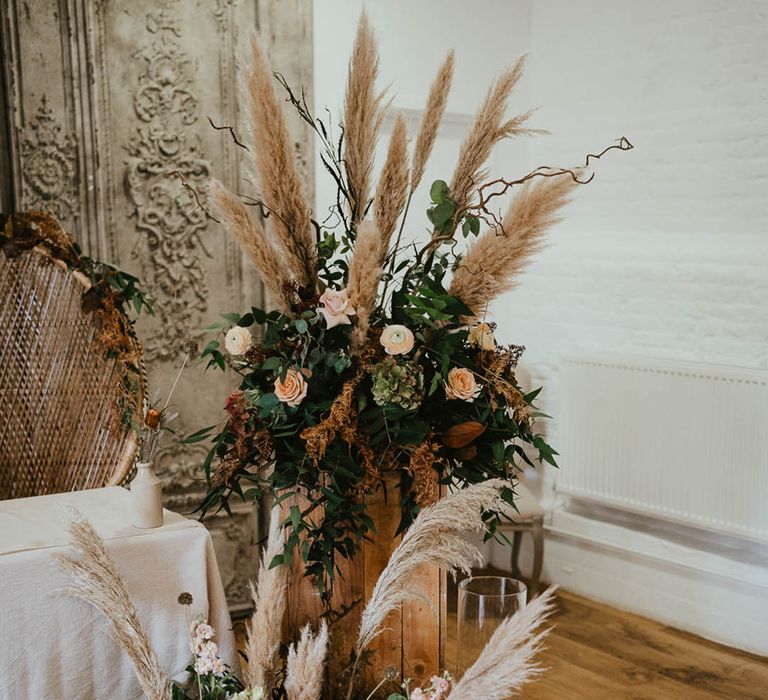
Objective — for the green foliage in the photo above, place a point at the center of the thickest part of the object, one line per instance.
(397, 404)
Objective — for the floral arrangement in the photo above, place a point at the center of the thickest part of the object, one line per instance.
(376, 355)
(437, 537)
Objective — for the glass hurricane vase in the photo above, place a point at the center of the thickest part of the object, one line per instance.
(484, 603)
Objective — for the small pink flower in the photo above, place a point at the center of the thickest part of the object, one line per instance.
(418, 694)
(336, 307)
(441, 687)
(293, 389)
(204, 631)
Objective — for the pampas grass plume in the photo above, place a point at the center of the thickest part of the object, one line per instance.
(507, 661)
(96, 580)
(364, 275)
(494, 261)
(277, 172)
(252, 238)
(435, 538)
(392, 189)
(487, 130)
(430, 122)
(363, 115)
(264, 629)
(306, 665)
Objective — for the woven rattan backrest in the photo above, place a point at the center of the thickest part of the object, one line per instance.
(61, 423)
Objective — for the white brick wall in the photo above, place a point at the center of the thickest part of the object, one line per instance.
(666, 253)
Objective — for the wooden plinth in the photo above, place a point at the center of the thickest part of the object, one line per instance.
(413, 645)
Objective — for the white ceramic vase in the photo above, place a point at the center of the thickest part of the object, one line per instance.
(147, 497)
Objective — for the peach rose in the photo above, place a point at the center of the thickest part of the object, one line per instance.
(481, 336)
(336, 307)
(293, 389)
(461, 384)
(397, 339)
(237, 340)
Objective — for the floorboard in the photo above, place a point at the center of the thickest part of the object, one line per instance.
(596, 652)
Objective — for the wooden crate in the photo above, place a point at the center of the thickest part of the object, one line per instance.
(413, 643)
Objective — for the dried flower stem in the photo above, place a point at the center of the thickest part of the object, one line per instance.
(96, 580)
(363, 115)
(265, 626)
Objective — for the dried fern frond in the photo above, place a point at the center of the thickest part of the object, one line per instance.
(306, 665)
(252, 238)
(277, 172)
(487, 130)
(363, 115)
(497, 257)
(507, 661)
(435, 538)
(392, 189)
(430, 122)
(96, 580)
(264, 629)
(365, 272)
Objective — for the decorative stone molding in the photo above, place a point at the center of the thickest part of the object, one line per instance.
(50, 165)
(107, 108)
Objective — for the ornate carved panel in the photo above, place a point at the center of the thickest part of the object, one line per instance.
(107, 124)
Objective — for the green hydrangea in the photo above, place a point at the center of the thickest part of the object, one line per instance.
(398, 382)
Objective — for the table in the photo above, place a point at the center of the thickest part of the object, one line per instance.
(55, 646)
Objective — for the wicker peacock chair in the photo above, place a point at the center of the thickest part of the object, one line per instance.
(71, 376)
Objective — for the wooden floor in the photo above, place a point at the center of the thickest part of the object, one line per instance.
(598, 653)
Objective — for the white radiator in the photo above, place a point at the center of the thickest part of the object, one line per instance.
(681, 441)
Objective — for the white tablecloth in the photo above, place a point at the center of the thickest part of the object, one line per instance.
(56, 647)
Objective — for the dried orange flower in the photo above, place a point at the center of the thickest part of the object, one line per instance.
(152, 419)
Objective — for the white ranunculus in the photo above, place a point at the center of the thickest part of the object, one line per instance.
(397, 339)
(237, 340)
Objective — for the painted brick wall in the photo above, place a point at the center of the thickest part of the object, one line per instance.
(666, 253)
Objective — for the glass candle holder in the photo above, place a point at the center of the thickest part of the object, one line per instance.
(484, 603)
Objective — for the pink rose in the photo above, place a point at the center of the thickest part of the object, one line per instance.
(336, 307)
(396, 339)
(291, 390)
(461, 384)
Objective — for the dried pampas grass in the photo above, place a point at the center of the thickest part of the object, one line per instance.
(96, 580)
(363, 115)
(433, 114)
(487, 130)
(434, 538)
(306, 665)
(506, 663)
(278, 175)
(264, 629)
(493, 262)
(364, 275)
(252, 238)
(393, 186)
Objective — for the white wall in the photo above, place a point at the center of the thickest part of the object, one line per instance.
(665, 254)
(414, 37)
